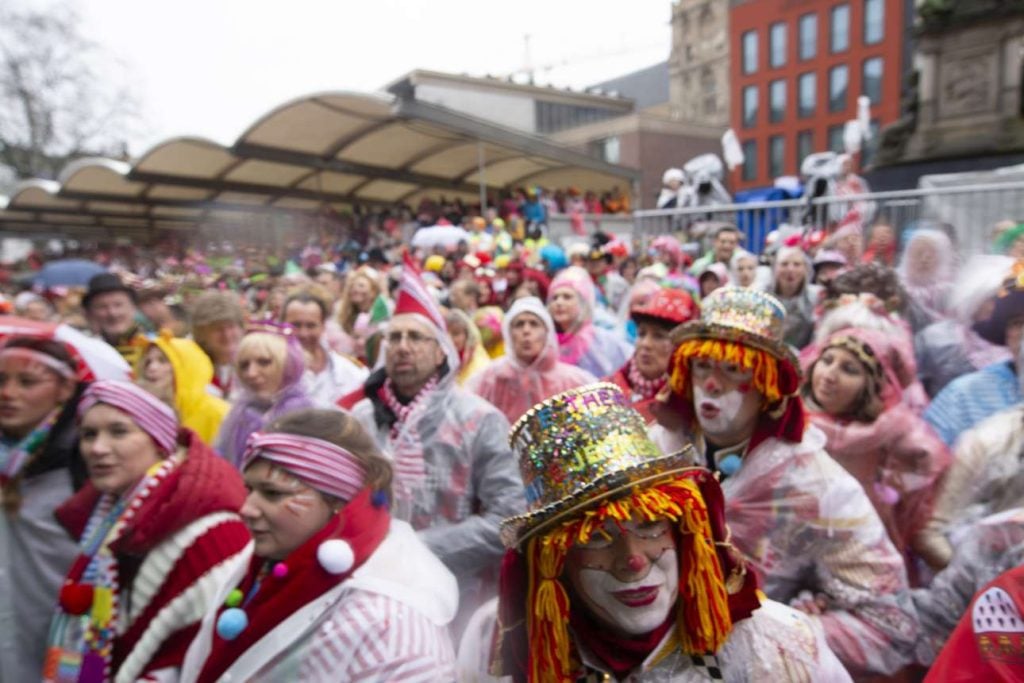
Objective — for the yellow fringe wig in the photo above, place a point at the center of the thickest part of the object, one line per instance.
(764, 366)
(703, 621)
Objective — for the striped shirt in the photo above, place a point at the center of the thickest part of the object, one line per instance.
(971, 398)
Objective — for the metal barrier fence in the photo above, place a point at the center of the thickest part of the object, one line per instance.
(972, 210)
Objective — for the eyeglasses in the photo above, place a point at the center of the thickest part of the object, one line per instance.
(412, 336)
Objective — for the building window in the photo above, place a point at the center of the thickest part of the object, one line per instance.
(835, 139)
(777, 45)
(871, 146)
(838, 84)
(804, 146)
(777, 101)
(871, 79)
(750, 106)
(776, 155)
(808, 36)
(750, 160)
(874, 21)
(839, 35)
(750, 52)
(808, 93)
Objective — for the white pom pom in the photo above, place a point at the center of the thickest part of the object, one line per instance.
(335, 556)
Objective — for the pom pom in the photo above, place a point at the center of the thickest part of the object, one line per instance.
(886, 494)
(730, 464)
(280, 570)
(335, 556)
(234, 598)
(76, 598)
(379, 499)
(231, 622)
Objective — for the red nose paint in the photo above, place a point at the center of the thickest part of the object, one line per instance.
(635, 563)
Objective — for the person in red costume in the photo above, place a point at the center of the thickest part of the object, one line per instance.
(988, 643)
(646, 373)
(334, 589)
(159, 531)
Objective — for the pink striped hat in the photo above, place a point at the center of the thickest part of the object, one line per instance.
(152, 415)
(323, 465)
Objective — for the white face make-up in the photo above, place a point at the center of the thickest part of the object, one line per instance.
(717, 414)
(635, 607)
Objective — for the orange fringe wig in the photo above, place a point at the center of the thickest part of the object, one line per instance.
(765, 367)
(703, 620)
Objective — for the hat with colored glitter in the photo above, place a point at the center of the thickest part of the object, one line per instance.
(587, 461)
(578, 448)
(748, 317)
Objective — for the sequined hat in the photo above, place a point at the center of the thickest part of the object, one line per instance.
(578, 448)
(746, 316)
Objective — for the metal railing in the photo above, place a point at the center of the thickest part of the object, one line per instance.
(972, 210)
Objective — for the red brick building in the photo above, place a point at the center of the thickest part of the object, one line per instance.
(797, 70)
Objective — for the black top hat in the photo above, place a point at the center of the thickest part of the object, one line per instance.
(102, 283)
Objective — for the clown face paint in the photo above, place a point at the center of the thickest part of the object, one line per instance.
(281, 511)
(632, 607)
(726, 405)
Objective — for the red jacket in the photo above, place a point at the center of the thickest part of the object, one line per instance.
(988, 643)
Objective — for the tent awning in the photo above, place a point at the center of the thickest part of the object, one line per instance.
(326, 150)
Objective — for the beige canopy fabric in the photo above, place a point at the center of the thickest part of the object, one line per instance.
(330, 150)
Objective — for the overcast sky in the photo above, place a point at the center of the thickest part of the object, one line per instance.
(210, 67)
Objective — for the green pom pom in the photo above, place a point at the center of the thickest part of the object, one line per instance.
(234, 598)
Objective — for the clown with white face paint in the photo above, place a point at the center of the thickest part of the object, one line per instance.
(802, 520)
(621, 569)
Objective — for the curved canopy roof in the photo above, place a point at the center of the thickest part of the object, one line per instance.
(332, 149)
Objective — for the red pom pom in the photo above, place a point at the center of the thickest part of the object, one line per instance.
(76, 598)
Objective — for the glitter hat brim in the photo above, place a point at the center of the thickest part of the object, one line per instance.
(517, 530)
(779, 349)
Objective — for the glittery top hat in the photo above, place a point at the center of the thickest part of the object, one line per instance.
(578, 448)
(746, 316)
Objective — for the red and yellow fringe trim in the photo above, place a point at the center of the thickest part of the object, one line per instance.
(703, 623)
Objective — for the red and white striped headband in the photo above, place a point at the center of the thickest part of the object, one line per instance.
(152, 415)
(323, 465)
(58, 366)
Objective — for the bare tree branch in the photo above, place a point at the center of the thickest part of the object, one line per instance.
(59, 95)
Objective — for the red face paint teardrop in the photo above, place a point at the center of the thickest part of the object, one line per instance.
(744, 387)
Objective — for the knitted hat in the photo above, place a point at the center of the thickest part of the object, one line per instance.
(152, 415)
(415, 299)
(586, 458)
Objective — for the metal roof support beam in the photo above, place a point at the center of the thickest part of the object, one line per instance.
(284, 156)
(271, 192)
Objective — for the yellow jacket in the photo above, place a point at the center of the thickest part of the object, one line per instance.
(197, 409)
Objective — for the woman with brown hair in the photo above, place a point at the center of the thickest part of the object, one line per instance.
(335, 590)
(40, 467)
(158, 531)
(854, 395)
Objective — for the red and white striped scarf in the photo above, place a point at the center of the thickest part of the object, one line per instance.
(407, 449)
(646, 388)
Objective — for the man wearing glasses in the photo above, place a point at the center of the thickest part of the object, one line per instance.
(455, 477)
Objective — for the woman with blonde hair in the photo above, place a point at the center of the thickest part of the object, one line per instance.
(269, 367)
(362, 288)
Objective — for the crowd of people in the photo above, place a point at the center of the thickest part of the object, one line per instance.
(505, 459)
